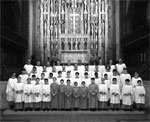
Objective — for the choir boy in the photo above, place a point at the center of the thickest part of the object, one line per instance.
(83, 96)
(54, 94)
(34, 72)
(37, 90)
(24, 76)
(18, 88)
(101, 67)
(58, 67)
(106, 80)
(139, 95)
(87, 79)
(115, 75)
(97, 78)
(77, 79)
(135, 79)
(46, 95)
(39, 67)
(68, 96)
(50, 78)
(48, 67)
(59, 77)
(69, 67)
(127, 95)
(103, 95)
(114, 95)
(86, 71)
(63, 71)
(10, 90)
(112, 67)
(108, 72)
(76, 96)
(93, 90)
(33, 80)
(68, 76)
(45, 72)
(61, 95)
(28, 95)
(73, 72)
(28, 67)
(54, 71)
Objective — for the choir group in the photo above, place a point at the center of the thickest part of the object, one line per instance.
(78, 87)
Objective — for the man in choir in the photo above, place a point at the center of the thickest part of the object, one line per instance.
(120, 66)
(24, 76)
(83, 96)
(114, 95)
(68, 96)
(127, 95)
(135, 79)
(106, 80)
(86, 70)
(34, 72)
(124, 75)
(87, 79)
(69, 67)
(10, 90)
(28, 95)
(101, 67)
(54, 94)
(28, 67)
(76, 96)
(18, 89)
(112, 67)
(74, 70)
(42, 79)
(46, 95)
(61, 95)
(95, 70)
(103, 95)
(93, 90)
(58, 67)
(77, 79)
(140, 94)
(39, 67)
(48, 67)
(115, 75)
(97, 78)
(37, 97)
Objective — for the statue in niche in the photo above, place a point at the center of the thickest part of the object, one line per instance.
(103, 27)
(69, 44)
(74, 44)
(79, 44)
(85, 26)
(85, 44)
(62, 26)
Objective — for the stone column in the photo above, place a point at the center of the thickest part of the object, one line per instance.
(30, 38)
(117, 28)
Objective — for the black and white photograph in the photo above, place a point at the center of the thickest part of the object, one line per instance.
(74, 60)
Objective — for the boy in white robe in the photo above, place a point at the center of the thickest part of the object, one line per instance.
(69, 67)
(112, 67)
(115, 75)
(87, 79)
(120, 66)
(68, 76)
(50, 79)
(42, 79)
(59, 77)
(33, 80)
(101, 67)
(28, 95)
(108, 72)
(48, 67)
(135, 79)
(10, 90)
(96, 70)
(97, 78)
(103, 95)
(63, 71)
(18, 88)
(39, 67)
(37, 96)
(114, 95)
(86, 70)
(54, 71)
(73, 72)
(24, 76)
(28, 67)
(46, 95)
(58, 67)
(127, 95)
(45, 72)
(77, 79)
(123, 76)
(34, 72)
(140, 94)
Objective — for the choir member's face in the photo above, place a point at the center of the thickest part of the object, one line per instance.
(124, 71)
(38, 63)
(23, 72)
(68, 74)
(34, 69)
(105, 76)
(46, 81)
(96, 68)
(75, 66)
(29, 81)
(42, 75)
(103, 81)
(33, 78)
(77, 75)
(83, 84)
(50, 75)
(86, 67)
(108, 68)
(75, 84)
(48, 64)
(58, 63)
(139, 83)
(63, 68)
(127, 82)
(136, 74)
(19, 79)
(54, 79)
(68, 63)
(68, 82)
(100, 62)
(59, 74)
(110, 62)
(120, 60)
(13, 75)
(86, 76)
(44, 68)
(62, 82)
(29, 61)
(37, 80)
(92, 81)
(114, 81)
(114, 73)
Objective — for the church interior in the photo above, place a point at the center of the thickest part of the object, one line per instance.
(86, 30)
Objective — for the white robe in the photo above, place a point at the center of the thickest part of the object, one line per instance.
(126, 98)
(46, 91)
(69, 68)
(24, 78)
(46, 74)
(41, 82)
(39, 69)
(109, 74)
(91, 68)
(28, 89)
(81, 68)
(28, 68)
(137, 91)
(93, 74)
(101, 69)
(36, 74)
(19, 96)
(55, 74)
(37, 89)
(114, 88)
(112, 67)
(50, 81)
(120, 67)
(97, 81)
(134, 81)
(89, 74)
(78, 80)
(123, 77)
(107, 82)
(87, 81)
(33, 82)
(49, 69)
(117, 77)
(103, 88)
(58, 68)
(10, 88)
